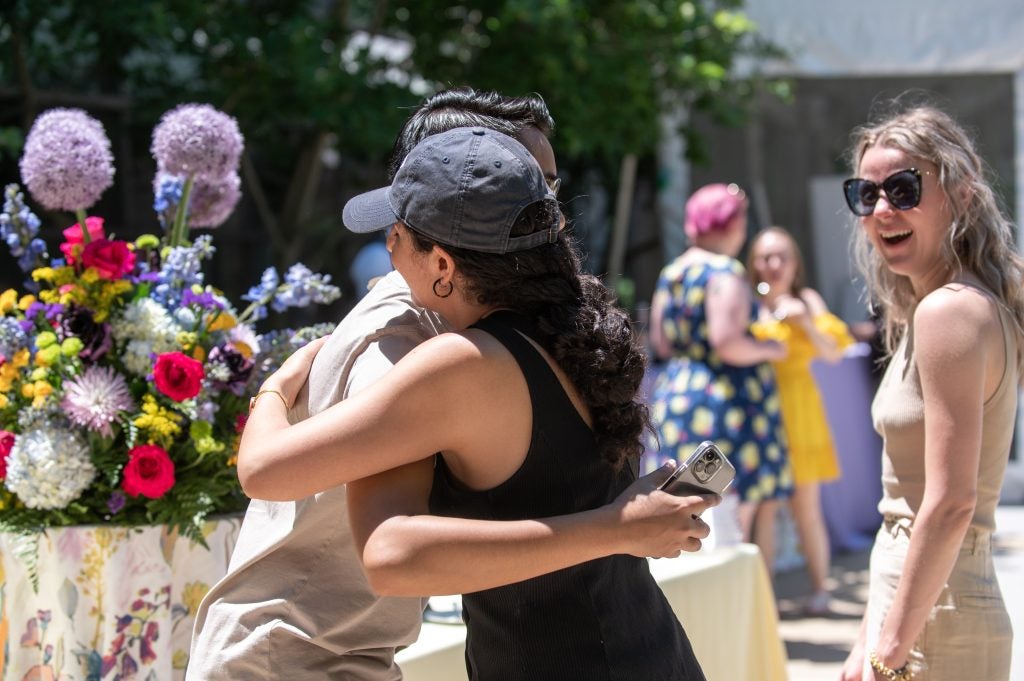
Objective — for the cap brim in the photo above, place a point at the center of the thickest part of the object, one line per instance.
(369, 212)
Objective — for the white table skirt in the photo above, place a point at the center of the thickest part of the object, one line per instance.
(97, 602)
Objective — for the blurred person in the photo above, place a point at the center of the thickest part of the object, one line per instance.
(371, 262)
(477, 234)
(939, 258)
(295, 602)
(797, 316)
(717, 383)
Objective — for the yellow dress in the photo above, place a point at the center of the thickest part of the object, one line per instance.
(811, 451)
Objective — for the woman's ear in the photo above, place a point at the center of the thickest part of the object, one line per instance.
(443, 263)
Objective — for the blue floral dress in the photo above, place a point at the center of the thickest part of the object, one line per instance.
(698, 397)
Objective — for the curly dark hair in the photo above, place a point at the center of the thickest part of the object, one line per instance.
(578, 324)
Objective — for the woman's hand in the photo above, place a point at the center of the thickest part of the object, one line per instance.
(853, 668)
(792, 309)
(291, 375)
(658, 524)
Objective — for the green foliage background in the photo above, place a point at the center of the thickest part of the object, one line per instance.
(310, 75)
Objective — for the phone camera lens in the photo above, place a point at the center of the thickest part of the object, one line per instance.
(711, 468)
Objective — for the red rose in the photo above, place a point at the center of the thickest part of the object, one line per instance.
(112, 259)
(6, 445)
(149, 472)
(73, 241)
(178, 376)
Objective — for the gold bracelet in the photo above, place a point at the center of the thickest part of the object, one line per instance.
(252, 400)
(901, 674)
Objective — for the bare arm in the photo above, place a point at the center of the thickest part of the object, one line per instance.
(408, 553)
(396, 421)
(954, 334)
(804, 311)
(728, 313)
(656, 334)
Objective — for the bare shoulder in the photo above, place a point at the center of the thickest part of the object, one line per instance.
(813, 300)
(457, 353)
(956, 319)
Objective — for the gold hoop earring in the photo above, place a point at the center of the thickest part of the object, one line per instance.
(451, 287)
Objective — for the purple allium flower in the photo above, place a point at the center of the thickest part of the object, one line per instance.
(94, 398)
(96, 338)
(196, 139)
(212, 201)
(67, 162)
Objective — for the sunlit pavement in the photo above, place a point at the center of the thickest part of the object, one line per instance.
(817, 646)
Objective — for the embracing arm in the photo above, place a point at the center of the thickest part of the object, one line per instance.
(397, 420)
(408, 553)
(728, 312)
(950, 333)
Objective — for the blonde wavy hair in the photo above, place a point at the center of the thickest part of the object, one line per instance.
(981, 237)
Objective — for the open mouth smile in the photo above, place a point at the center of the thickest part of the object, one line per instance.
(893, 238)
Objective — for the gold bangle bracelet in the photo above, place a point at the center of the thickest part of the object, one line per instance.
(901, 674)
(252, 400)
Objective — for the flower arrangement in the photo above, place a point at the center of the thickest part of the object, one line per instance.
(123, 372)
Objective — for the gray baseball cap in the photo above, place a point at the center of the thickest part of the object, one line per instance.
(464, 187)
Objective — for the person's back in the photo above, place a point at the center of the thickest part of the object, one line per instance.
(568, 624)
(295, 603)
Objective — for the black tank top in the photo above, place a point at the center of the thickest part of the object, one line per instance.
(606, 619)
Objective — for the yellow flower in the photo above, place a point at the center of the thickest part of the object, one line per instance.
(38, 391)
(749, 456)
(26, 301)
(193, 594)
(21, 358)
(159, 423)
(8, 300)
(4, 401)
(702, 422)
(222, 321)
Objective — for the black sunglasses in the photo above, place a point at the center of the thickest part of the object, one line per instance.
(902, 190)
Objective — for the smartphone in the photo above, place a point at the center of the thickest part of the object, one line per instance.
(706, 470)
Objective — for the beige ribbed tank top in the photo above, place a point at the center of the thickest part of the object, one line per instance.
(898, 415)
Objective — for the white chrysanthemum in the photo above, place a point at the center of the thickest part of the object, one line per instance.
(95, 398)
(150, 329)
(49, 468)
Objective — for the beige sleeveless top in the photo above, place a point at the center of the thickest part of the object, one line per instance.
(898, 415)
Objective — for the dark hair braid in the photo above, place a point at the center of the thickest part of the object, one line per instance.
(579, 326)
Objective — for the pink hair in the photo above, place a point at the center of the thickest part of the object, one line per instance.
(712, 208)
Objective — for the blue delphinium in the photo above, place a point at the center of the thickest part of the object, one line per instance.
(19, 228)
(301, 286)
(167, 191)
(260, 295)
(181, 269)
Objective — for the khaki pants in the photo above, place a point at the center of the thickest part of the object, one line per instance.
(967, 635)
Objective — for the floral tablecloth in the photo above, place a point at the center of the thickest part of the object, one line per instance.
(93, 603)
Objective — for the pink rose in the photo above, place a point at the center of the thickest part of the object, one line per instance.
(112, 259)
(6, 445)
(178, 376)
(149, 472)
(73, 241)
